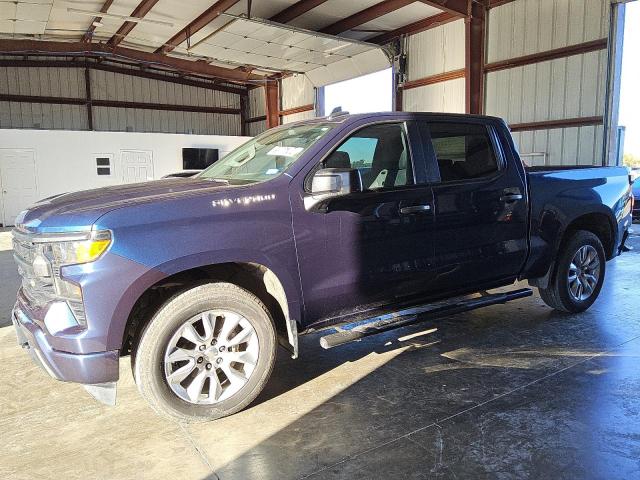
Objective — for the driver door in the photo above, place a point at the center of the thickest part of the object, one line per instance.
(371, 247)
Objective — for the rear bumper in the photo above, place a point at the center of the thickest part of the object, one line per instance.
(90, 368)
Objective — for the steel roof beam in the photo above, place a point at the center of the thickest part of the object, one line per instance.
(204, 19)
(140, 11)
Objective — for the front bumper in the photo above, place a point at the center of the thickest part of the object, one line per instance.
(89, 368)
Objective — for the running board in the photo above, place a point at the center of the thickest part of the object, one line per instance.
(411, 316)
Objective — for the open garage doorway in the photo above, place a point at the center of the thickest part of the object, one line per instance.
(629, 119)
(368, 93)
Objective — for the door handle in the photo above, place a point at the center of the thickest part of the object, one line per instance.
(511, 197)
(415, 209)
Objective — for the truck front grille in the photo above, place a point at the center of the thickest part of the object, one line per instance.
(38, 290)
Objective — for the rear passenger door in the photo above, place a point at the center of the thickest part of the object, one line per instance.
(479, 204)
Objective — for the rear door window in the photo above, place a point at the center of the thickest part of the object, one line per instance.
(463, 151)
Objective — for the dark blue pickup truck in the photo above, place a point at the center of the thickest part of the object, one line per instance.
(370, 222)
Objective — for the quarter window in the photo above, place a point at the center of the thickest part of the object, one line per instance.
(463, 151)
(381, 154)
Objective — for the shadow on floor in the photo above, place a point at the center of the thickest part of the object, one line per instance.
(516, 391)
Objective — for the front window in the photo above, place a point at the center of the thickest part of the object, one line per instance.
(381, 154)
(266, 156)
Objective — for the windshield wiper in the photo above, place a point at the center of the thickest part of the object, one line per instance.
(221, 180)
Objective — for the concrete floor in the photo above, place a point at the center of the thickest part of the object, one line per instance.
(513, 391)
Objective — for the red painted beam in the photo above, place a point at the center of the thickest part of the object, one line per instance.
(547, 55)
(498, 3)
(140, 11)
(88, 35)
(272, 103)
(416, 27)
(562, 123)
(34, 47)
(204, 19)
(475, 38)
(294, 11)
(454, 7)
(430, 80)
(118, 104)
(366, 15)
(109, 67)
(300, 109)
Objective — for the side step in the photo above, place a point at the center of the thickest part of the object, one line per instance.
(411, 316)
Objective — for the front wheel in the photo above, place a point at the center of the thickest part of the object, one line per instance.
(579, 274)
(206, 354)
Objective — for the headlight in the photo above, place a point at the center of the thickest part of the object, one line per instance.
(58, 250)
(72, 252)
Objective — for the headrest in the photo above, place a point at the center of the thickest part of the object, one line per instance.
(338, 159)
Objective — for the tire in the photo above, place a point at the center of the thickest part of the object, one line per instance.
(178, 318)
(559, 294)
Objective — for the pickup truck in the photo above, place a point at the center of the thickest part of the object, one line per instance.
(368, 222)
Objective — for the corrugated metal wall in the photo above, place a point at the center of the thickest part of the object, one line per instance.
(564, 88)
(435, 51)
(53, 82)
(256, 107)
(70, 83)
(297, 91)
(524, 27)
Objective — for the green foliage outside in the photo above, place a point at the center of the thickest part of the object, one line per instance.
(631, 160)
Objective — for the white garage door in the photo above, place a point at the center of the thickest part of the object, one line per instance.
(18, 181)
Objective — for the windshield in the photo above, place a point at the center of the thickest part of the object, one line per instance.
(267, 155)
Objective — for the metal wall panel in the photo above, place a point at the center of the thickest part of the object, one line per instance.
(297, 117)
(564, 88)
(70, 82)
(439, 97)
(127, 88)
(256, 104)
(296, 91)
(46, 82)
(568, 87)
(561, 146)
(135, 120)
(256, 128)
(524, 27)
(437, 50)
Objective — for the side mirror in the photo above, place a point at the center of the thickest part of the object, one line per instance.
(331, 182)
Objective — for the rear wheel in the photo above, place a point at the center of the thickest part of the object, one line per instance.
(579, 274)
(206, 354)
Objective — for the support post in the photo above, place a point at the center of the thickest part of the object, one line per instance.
(272, 100)
(474, 58)
(243, 115)
(87, 83)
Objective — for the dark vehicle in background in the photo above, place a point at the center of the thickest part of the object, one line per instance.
(183, 174)
(636, 197)
(308, 226)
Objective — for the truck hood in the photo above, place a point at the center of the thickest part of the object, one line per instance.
(80, 210)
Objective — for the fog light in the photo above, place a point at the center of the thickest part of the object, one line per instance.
(59, 318)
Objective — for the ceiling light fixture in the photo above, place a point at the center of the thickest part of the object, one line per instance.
(118, 17)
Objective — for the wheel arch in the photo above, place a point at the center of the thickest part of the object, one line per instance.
(273, 289)
(600, 223)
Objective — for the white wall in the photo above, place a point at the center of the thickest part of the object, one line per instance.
(65, 160)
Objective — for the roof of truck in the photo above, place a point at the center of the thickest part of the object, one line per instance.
(346, 117)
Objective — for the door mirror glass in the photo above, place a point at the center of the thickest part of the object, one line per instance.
(336, 181)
